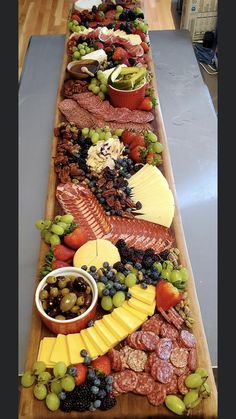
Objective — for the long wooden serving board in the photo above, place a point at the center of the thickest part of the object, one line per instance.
(129, 405)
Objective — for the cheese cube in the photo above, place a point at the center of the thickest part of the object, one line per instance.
(60, 350)
(126, 319)
(109, 338)
(45, 350)
(93, 353)
(119, 331)
(139, 314)
(75, 344)
(139, 305)
(97, 341)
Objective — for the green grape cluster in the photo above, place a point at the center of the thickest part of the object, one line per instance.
(52, 230)
(140, 24)
(100, 134)
(74, 26)
(48, 387)
(98, 85)
(178, 277)
(154, 146)
(80, 50)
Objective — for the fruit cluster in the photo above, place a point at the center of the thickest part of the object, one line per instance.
(98, 85)
(82, 49)
(143, 148)
(53, 230)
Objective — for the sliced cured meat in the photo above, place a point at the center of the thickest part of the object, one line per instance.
(145, 384)
(147, 366)
(131, 340)
(153, 324)
(187, 338)
(181, 371)
(127, 380)
(138, 341)
(153, 358)
(136, 360)
(164, 348)
(115, 358)
(181, 384)
(164, 372)
(179, 357)
(154, 366)
(124, 353)
(158, 395)
(136, 50)
(168, 331)
(149, 340)
(172, 386)
(192, 359)
(75, 113)
(175, 318)
(115, 386)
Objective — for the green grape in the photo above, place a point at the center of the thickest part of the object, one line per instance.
(82, 52)
(68, 383)
(157, 266)
(117, 15)
(193, 380)
(100, 75)
(102, 136)
(106, 128)
(157, 147)
(75, 22)
(67, 218)
(168, 265)
(190, 398)
(101, 95)
(47, 237)
(151, 137)
(27, 379)
(85, 132)
(95, 138)
(175, 404)
(47, 224)
(205, 390)
(44, 377)
(165, 274)
(119, 132)
(130, 280)
(90, 87)
(91, 132)
(38, 367)
(202, 372)
(175, 276)
(108, 135)
(77, 28)
(85, 44)
(184, 274)
(121, 277)
(80, 46)
(74, 28)
(94, 81)
(95, 90)
(119, 8)
(39, 224)
(63, 225)
(103, 88)
(103, 80)
(76, 55)
(101, 287)
(59, 369)
(56, 387)
(57, 219)
(118, 298)
(134, 271)
(40, 391)
(55, 239)
(70, 25)
(52, 402)
(92, 49)
(74, 49)
(57, 229)
(98, 130)
(87, 50)
(106, 303)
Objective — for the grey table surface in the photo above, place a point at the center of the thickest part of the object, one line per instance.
(191, 127)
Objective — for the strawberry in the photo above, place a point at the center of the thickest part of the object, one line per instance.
(119, 54)
(128, 136)
(63, 253)
(92, 24)
(145, 46)
(81, 374)
(76, 239)
(135, 154)
(56, 264)
(146, 104)
(139, 32)
(102, 364)
(99, 16)
(99, 45)
(76, 17)
(138, 140)
(167, 295)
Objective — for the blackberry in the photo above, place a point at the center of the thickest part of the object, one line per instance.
(149, 252)
(67, 405)
(83, 391)
(118, 266)
(81, 405)
(108, 403)
(164, 255)
(120, 244)
(147, 262)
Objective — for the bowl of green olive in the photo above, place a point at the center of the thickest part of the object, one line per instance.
(66, 300)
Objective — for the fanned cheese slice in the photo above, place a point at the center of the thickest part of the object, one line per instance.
(45, 350)
(60, 350)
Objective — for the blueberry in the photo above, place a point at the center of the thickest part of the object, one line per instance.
(83, 353)
(108, 388)
(101, 394)
(91, 374)
(128, 296)
(143, 270)
(148, 281)
(109, 286)
(109, 379)
(87, 360)
(123, 287)
(106, 291)
(90, 323)
(97, 403)
(117, 286)
(92, 268)
(110, 274)
(97, 382)
(154, 282)
(94, 389)
(112, 292)
(104, 279)
(73, 371)
(128, 190)
(143, 285)
(126, 272)
(124, 163)
(138, 266)
(105, 264)
(84, 267)
(155, 275)
(62, 395)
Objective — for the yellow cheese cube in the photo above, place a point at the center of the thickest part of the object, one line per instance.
(93, 353)
(139, 314)
(97, 341)
(109, 338)
(142, 295)
(139, 305)
(119, 331)
(75, 344)
(45, 350)
(60, 350)
(126, 319)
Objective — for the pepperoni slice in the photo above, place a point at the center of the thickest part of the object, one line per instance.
(164, 347)
(153, 358)
(132, 340)
(127, 380)
(154, 368)
(181, 371)
(181, 384)
(168, 331)
(149, 340)
(147, 367)
(153, 324)
(192, 359)
(115, 386)
(187, 338)
(115, 358)
(172, 386)
(145, 383)
(179, 357)
(164, 372)
(136, 360)
(158, 395)
(138, 341)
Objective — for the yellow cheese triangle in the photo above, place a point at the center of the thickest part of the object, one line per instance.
(115, 327)
(126, 319)
(45, 350)
(147, 298)
(93, 353)
(75, 344)
(60, 350)
(97, 341)
(139, 305)
(109, 338)
(139, 314)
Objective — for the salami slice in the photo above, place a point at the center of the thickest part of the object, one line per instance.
(115, 386)
(192, 359)
(181, 384)
(187, 338)
(153, 358)
(132, 340)
(168, 331)
(115, 358)
(175, 318)
(124, 353)
(172, 386)
(164, 372)
(164, 348)
(181, 371)
(158, 395)
(138, 341)
(147, 366)
(145, 383)
(127, 380)
(179, 357)
(136, 360)
(149, 340)
(153, 324)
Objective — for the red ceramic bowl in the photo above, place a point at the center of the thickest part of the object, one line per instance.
(78, 323)
(130, 99)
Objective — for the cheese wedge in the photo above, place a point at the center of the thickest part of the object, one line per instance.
(139, 305)
(139, 314)
(45, 350)
(126, 319)
(60, 350)
(95, 252)
(113, 325)
(75, 344)
(142, 295)
(105, 333)
(97, 341)
(93, 353)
